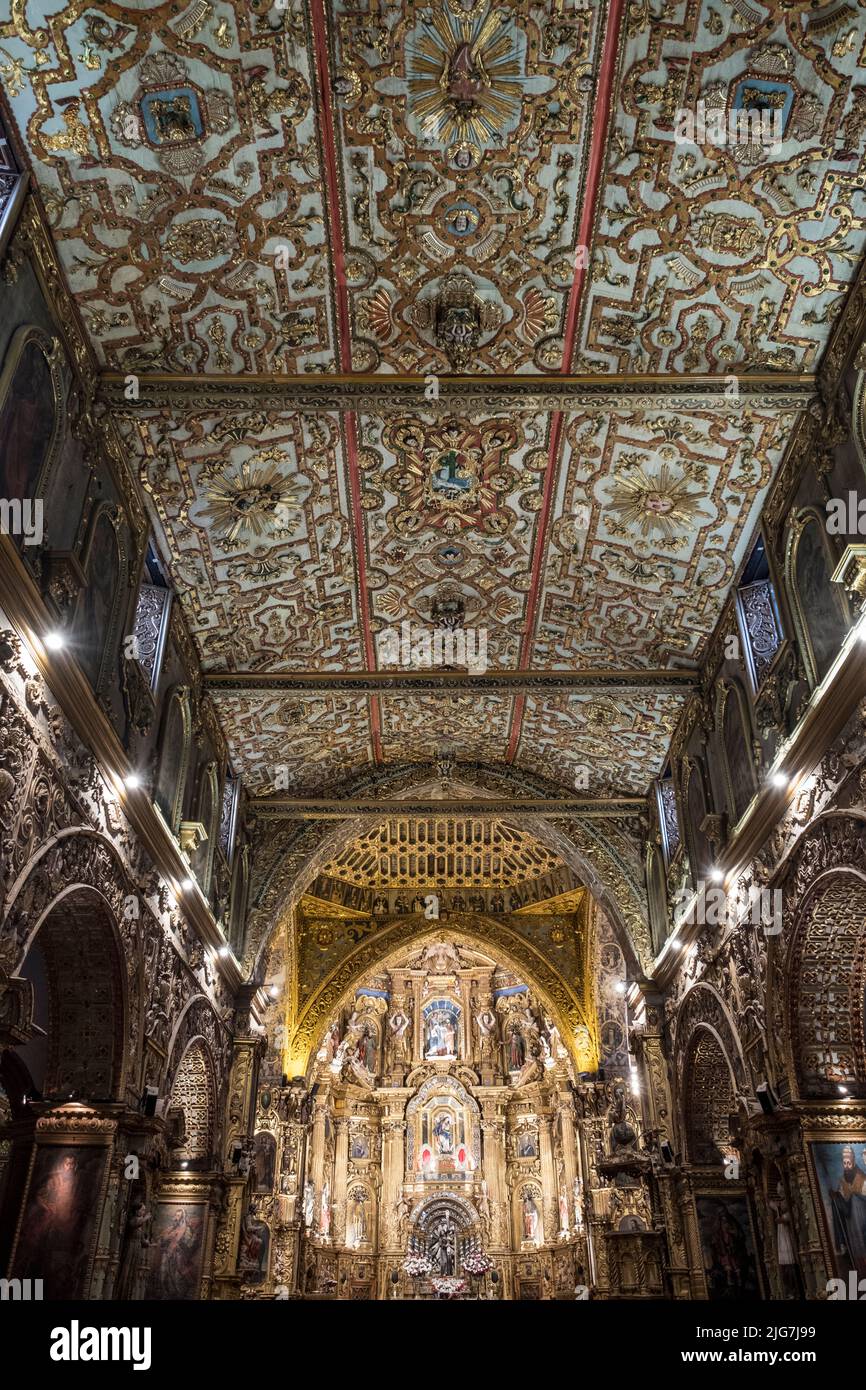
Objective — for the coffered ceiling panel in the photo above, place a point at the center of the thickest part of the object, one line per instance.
(177, 152)
(461, 136)
(718, 257)
(295, 746)
(415, 728)
(253, 513)
(653, 512)
(596, 744)
(451, 508)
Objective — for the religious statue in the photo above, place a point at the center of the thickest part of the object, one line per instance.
(325, 1212)
(309, 1203)
(531, 1216)
(398, 1023)
(132, 1274)
(356, 1225)
(516, 1049)
(443, 1134)
(441, 1246)
(785, 1253)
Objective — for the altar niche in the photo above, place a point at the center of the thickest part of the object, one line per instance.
(443, 1132)
(446, 1229)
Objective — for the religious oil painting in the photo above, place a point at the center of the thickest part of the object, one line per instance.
(840, 1169)
(728, 1247)
(176, 1250)
(58, 1229)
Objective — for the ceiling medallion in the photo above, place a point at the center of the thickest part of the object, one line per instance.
(451, 475)
(662, 503)
(256, 500)
(458, 318)
(466, 78)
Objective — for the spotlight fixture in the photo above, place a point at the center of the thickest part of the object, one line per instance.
(132, 781)
(779, 779)
(224, 951)
(274, 991)
(843, 1090)
(54, 641)
(187, 883)
(716, 875)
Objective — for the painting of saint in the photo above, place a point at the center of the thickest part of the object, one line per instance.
(360, 1146)
(730, 1263)
(841, 1170)
(527, 1145)
(176, 1251)
(264, 1162)
(27, 420)
(59, 1220)
(441, 1034)
(254, 1248)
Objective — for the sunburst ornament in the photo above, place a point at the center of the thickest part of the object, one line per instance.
(256, 499)
(466, 77)
(659, 504)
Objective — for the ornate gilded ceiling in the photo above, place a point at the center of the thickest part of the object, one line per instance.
(245, 198)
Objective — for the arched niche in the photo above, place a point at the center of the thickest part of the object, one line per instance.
(709, 1100)
(443, 1129)
(192, 1107)
(696, 803)
(101, 601)
(820, 609)
(174, 751)
(826, 983)
(75, 965)
(208, 809)
(734, 738)
(446, 1229)
(32, 413)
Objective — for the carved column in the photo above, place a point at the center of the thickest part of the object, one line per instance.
(493, 1130)
(341, 1170)
(393, 1130)
(548, 1179)
(240, 1123)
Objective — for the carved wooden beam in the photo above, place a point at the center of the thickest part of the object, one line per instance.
(131, 394)
(445, 682)
(317, 808)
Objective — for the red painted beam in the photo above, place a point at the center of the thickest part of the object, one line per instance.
(344, 348)
(595, 169)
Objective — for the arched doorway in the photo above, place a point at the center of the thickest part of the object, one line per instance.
(57, 1084)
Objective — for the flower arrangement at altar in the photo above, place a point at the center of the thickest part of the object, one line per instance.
(448, 1286)
(416, 1266)
(476, 1264)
